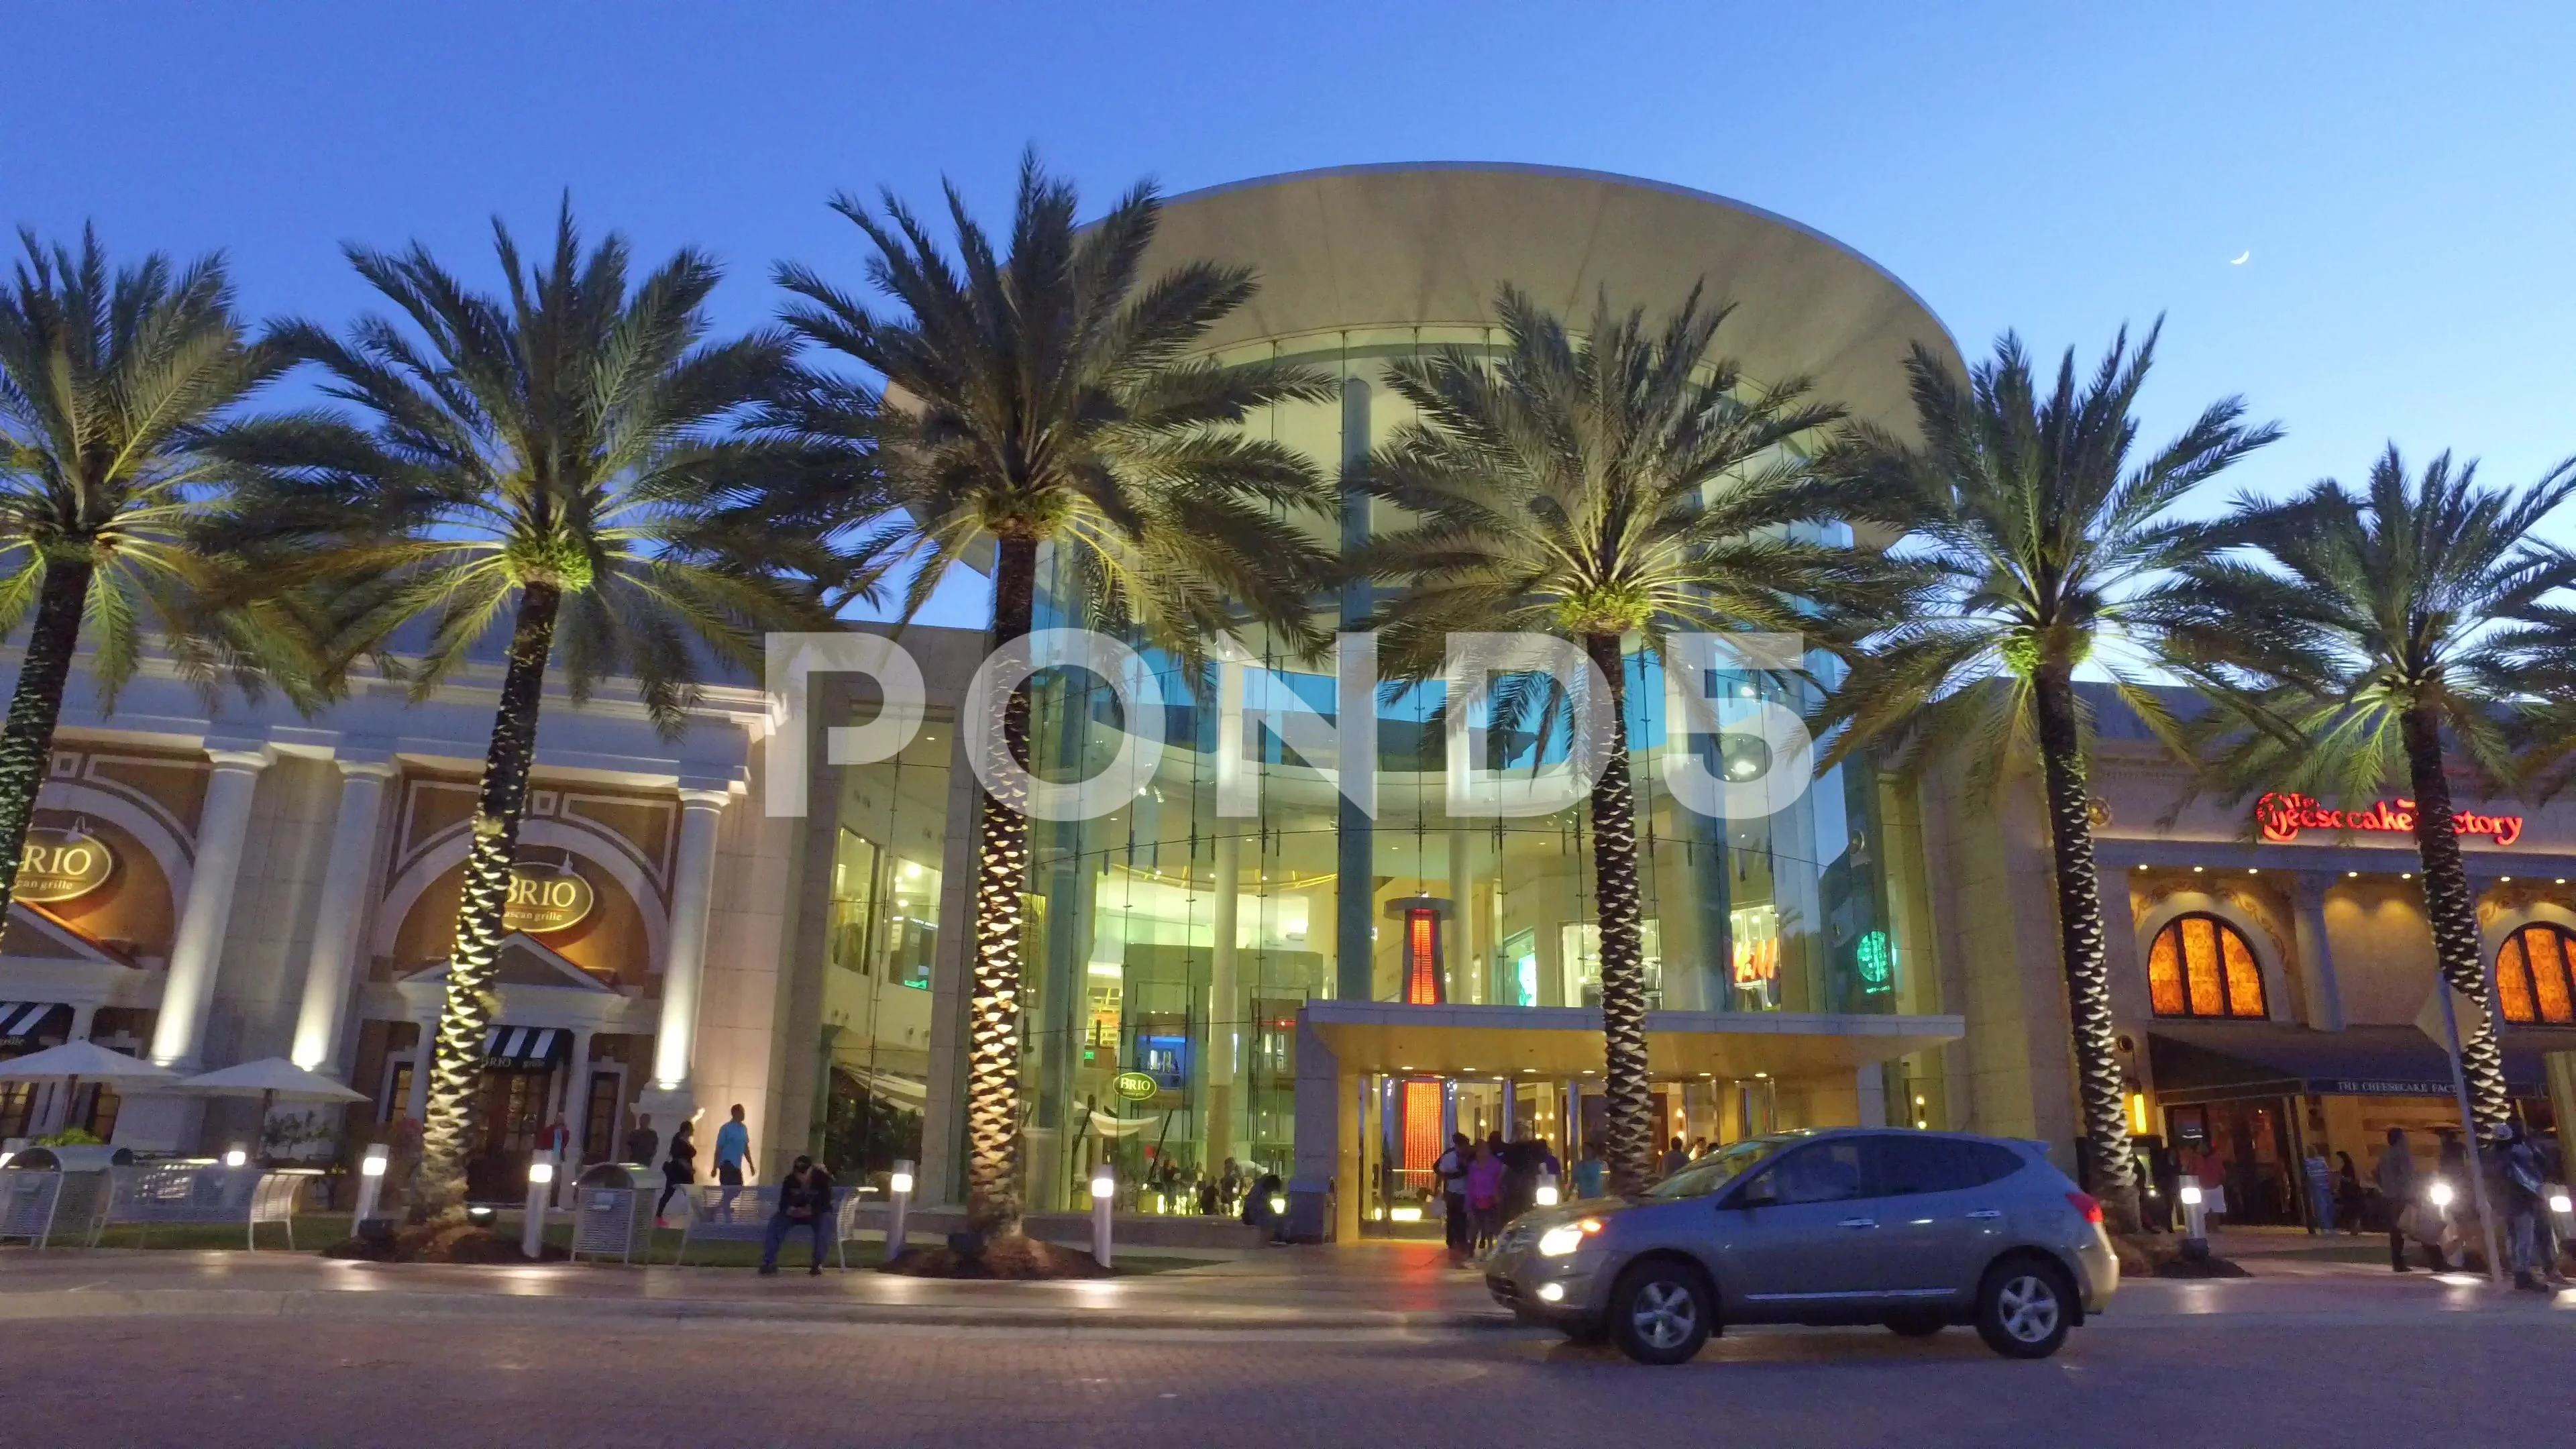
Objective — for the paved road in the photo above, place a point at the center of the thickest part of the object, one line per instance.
(2487, 1379)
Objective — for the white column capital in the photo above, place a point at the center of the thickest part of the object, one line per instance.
(373, 769)
(694, 798)
(231, 757)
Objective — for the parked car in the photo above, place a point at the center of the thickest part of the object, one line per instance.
(1914, 1230)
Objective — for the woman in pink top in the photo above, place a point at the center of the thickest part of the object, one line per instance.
(1485, 1193)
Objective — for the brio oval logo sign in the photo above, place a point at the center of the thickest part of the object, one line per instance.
(542, 900)
(62, 865)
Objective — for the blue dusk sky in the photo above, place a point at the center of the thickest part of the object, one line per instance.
(2402, 176)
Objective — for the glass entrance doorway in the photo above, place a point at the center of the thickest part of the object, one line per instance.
(1406, 1121)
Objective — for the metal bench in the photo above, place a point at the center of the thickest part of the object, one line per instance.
(747, 1219)
(199, 1193)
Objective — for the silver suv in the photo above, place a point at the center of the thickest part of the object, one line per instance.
(1915, 1230)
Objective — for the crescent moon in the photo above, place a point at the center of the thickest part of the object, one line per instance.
(2240, 261)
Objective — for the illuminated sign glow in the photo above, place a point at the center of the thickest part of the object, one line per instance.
(2282, 816)
(61, 865)
(1877, 964)
(545, 902)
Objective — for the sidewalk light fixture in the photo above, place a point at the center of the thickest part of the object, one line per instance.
(898, 1207)
(1104, 1197)
(371, 1182)
(2440, 1194)
(236, 1157)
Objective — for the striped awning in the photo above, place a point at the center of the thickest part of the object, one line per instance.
(524, 1047)
(19, 1020)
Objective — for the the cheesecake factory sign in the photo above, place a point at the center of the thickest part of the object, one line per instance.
(2282, 816)
(62, 865)
(542, 901)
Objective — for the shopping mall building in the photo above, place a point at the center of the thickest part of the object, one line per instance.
(1308, 987)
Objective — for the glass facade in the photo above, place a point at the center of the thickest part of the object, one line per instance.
(881, 937)
(1171, 946)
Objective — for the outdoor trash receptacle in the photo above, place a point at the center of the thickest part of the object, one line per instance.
(44, 1188)
(612, 1210)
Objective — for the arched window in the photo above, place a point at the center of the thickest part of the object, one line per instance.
(2531, 975)
(2202, 966)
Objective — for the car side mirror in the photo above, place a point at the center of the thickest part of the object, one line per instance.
(1757, 1193)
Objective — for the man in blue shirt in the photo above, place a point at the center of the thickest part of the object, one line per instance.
(733, 1160)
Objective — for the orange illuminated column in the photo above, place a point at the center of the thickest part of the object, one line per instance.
(1422, 957)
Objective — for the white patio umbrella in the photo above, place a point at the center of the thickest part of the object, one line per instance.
(272, 1080)
(74, 1060)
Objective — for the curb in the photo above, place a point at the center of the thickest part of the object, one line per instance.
(535, 1308)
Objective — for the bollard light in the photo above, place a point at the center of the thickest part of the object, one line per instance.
(1547, 1195)
(235, 1157)
(2558, 1201)
(899, 1188)
(532, 1220)
(1278, 1205)
(2441, 1194)
(2190, 1194)
(371, 1183)
(1104, 1194)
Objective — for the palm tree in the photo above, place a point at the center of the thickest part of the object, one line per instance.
(2367, 636)
(105, 387)
(557, 461)
(1623, 484)
(2039, 530)
(1044, 396)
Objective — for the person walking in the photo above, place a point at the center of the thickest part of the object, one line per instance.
(1676, 1157)
(733, 1160)
(1591, 1174)
(804, 1201)
(2396, 1178)
(679, 1170)
(643, 1142)
(2320, 1180)
(2347, 1194)
(2519, 1168)
(1485, 1191)
(1458, 1230)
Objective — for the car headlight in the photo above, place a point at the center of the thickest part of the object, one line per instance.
(1564, 1238)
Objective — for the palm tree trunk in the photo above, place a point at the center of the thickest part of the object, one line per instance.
(2454, 915)
(2111, 1162)
(993, 1186)
(438, 1194)
(27, 740)
(1629, 1106)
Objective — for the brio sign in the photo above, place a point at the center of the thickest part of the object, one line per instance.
(542, 902)
(2281, 816)
(61, 865)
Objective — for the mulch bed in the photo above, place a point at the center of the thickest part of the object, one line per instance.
(2159, 1255)
(433, 1243)
(1021, 1259)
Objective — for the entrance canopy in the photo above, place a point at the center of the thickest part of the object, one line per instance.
(2232, 1061)
(1493, 1041)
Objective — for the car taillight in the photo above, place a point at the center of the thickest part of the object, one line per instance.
(2087, 1204)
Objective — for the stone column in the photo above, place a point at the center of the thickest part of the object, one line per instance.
(1871, 1085)
(83, 1017)
(178, 1034)
(340, 916)
(577, 1106)
(2322, 996)
(1225, 1013)
(670, 1092)
(1465, 970)
(424, 1046)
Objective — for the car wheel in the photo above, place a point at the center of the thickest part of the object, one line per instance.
(1661, 1312)
(2025, 1308)
(1915, 1325)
